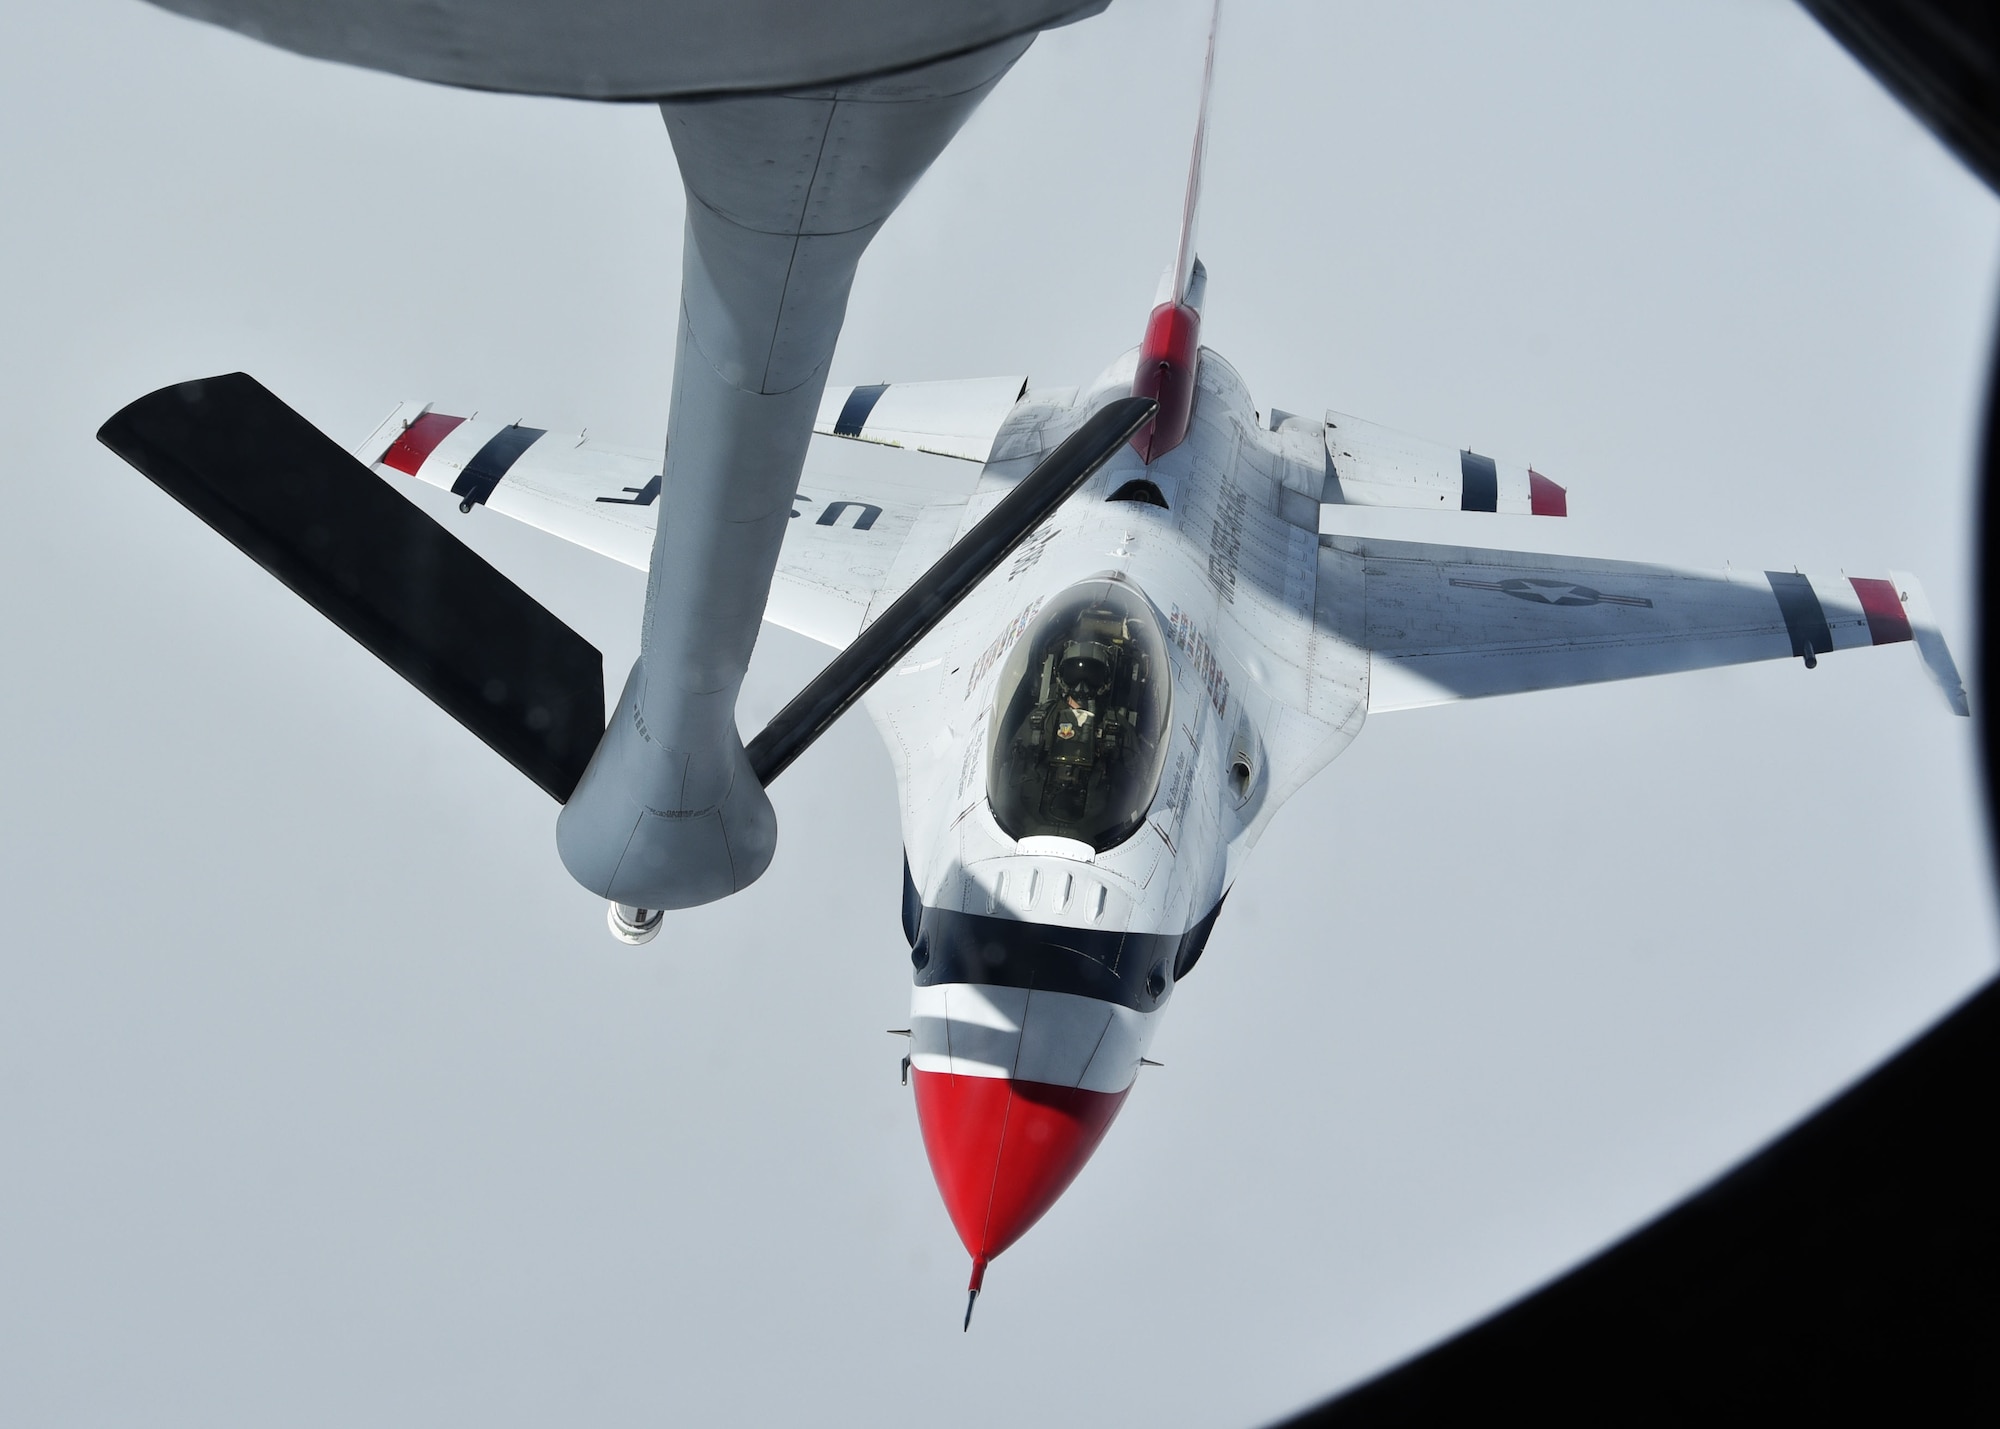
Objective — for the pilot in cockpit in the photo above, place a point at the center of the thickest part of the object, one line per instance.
(1067, 724)
(1079, 722)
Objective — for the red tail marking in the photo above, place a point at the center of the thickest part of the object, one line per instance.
(1166, 374)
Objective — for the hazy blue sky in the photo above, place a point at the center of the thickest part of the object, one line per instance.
(327, 1100)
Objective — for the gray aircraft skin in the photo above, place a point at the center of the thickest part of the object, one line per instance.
(635, 49)
(669, 813)
(785, 190)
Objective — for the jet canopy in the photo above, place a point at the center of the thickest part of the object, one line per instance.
(1080, 719)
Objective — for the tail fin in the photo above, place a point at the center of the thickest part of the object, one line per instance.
(1187, 274)
(1172, 343)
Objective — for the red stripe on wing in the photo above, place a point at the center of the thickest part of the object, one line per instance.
(418, 441)
(1887, 621)
(1545, 498)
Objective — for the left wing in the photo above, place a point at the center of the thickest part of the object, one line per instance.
(1446, 623)
(957, 418)
(867, 520)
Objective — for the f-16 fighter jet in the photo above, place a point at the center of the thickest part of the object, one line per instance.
(1105, 631)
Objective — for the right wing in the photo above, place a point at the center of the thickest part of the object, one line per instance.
(1447, 623)
(883, 493)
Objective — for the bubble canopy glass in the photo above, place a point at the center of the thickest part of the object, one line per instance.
(1080, 719)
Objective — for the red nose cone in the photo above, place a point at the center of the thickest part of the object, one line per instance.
(1003, 1151)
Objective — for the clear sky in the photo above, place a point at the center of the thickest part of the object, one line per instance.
(325, 1097)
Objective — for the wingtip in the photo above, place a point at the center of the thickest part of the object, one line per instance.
(1929, 639)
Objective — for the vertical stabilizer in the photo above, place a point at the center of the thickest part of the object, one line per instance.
(1170, 349)
(1186, 262)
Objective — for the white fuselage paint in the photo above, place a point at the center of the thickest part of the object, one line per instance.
(1262, 698)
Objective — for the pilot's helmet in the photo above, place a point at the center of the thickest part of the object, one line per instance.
(1085, 668)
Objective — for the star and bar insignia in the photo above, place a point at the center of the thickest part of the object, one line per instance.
(1552, 592)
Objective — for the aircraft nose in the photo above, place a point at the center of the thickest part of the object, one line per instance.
(1003, 1150)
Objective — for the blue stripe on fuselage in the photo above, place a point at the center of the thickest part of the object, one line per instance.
(1006, 952)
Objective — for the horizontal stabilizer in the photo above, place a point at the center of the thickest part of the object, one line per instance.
(958, 418)
(287, 496)
(1372, 465)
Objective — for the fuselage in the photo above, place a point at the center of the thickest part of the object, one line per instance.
(1084, 752)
